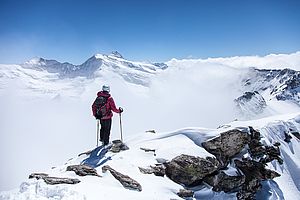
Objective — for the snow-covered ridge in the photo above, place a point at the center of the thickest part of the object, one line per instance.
(167, 146)
(113, 61)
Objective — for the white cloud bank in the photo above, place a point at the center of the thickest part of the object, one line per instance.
(272, 61)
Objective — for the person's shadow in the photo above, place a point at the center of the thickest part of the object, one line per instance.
(97, 157)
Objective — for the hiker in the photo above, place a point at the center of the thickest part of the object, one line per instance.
(102, 110)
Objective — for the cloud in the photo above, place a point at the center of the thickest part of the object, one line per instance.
(272, 61)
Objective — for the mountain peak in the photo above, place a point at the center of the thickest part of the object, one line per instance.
(116, 54)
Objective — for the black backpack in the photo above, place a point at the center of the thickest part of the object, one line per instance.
(101, 108)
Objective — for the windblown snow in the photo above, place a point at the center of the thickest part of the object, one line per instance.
(46, 119)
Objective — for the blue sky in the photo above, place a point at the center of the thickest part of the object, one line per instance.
(72, 31)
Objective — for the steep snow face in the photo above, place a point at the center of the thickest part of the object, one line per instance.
(251, 103)
(274, 87)
(167, 146)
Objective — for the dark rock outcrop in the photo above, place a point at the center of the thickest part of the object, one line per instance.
(158, 170)
(190, 170)
(183, 193)
(264, 153)
(54, 180)
(125, 180)
(227, 145)
(255, 172)
(83, 170)
(148, 150)
(296, 134)
(118, 146)
(224, 182)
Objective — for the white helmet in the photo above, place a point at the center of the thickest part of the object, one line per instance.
(106, 88)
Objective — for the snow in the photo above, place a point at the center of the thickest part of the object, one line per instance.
(47, 119)
(168, 145)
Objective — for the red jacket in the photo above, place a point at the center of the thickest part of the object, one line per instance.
(110, 105)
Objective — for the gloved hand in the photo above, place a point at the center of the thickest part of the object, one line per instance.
(120, 109)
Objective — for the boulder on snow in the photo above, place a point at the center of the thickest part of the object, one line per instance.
(265, 153)
(125, 180)
(54, 180)
(38, 175)
(224, 182)
(190, 170)
(149, 150)
(253, 169)
(118, 146)
(254, 172)
(83, 170)
(227, 145)
(158, 170)
(183, 193)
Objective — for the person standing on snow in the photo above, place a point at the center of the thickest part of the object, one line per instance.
(102, 110)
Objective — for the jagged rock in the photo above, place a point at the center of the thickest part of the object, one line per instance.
(287, 137)
(118, 146)
(190, 170)
(125, 180)
(265, 153)
(158, 170)
(272, 153)
(296, 134)
(227, 145)
(183, 193)
(38, 175)
(249, 190)
(83, 170)
(254, 172)
(224, 182)
(254, 169)
(54, 180)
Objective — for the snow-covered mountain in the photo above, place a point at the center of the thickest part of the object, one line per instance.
(45, 103)
(134, 72)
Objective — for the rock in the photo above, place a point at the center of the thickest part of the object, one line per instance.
(158, 170)
(224, 182)
(54, 180)
(265, 153)
(38, 175)
(248, 191)
(118, 146)
(296, 134)
(183, 193)
(125, 180)
(227, 145)
(254, 169)
(83, 170)
(150, 131)
(254, 172)
(190, 170)
(148, 150)
(287, 137)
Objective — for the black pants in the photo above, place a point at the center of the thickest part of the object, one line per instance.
(105, 130)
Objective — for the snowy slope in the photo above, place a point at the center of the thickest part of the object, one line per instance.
(43, 100)
(167, 146)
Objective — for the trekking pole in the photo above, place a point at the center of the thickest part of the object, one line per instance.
(97, 131)
(121, 128)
